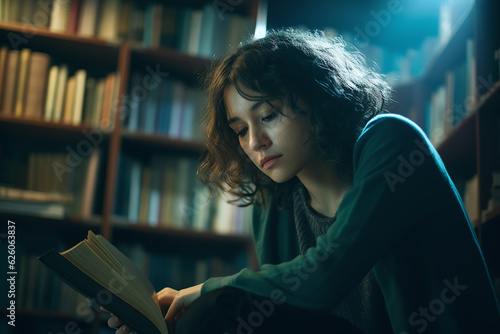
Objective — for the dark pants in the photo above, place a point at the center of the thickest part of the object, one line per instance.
(233, 311)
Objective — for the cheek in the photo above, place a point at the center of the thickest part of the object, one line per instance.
(247, 153)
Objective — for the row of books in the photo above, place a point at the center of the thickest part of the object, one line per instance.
(171, 108)
(36, 287)
(98, 18)
(454, 99)
(202, 31)
(178, 272)
(58, 184)
(166, 192)
(56, 92)
(469, 191)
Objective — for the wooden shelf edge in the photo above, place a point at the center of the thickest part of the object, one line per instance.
(185, 233)
(491, 215)
(70, 220)
(53, 315)
(40, 123)
(163, 140)
(490, 99)
(34, 30)
(184, 66)
(460, 136)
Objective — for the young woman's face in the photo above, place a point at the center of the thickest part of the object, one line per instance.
(277, 144)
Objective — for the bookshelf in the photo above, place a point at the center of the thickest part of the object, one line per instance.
(94, 153)
(465, 125)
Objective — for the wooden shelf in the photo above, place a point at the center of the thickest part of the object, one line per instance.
(490, 102)
(49, 315)
(141, 142)
(492, 215)
(458, 150)
(38, 128)
(170, 239)
(69, 222)
(187, 234)
(185, 67)
(88, 52)
(19, 137)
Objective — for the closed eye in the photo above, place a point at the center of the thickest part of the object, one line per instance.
(270, 117)
(242, 132)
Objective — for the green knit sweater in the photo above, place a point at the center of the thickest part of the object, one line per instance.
(404, 220)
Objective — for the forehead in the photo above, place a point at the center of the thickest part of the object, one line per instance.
(235, 103)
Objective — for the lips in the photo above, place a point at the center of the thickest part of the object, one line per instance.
(269, 160)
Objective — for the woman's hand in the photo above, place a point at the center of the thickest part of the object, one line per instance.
(172, 304)
(115, 322)
(177, 302)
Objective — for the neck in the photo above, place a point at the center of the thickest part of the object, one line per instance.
(325, 188)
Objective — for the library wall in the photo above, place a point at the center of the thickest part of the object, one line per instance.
(100, 109)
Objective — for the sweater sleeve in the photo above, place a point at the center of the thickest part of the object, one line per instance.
(394, 167)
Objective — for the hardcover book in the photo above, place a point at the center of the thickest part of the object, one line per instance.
(99, 271)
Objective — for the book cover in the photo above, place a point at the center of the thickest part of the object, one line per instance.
(73, 16)
(106, 113)
(62, 79)
(3, 68)
(59, 16)
(80, 79)
(90, 183)
(24, 63)
(135, 190)
(69, 101)
(98, 102)
(167, 190)
(88, 104)
(179, 93)
(108, 21)
(166, 98)
(37, 80)
(154, 192)
(50, 96)
(145, 195)
(10, 82)
(87, 20)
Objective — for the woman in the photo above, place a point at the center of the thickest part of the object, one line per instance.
(356, 221)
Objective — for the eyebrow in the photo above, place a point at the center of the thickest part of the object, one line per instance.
(252, 108)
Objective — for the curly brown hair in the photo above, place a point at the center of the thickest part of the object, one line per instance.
(330, 76)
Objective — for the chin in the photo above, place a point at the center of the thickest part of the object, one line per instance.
(281, 178)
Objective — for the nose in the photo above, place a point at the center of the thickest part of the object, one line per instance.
(259, 139)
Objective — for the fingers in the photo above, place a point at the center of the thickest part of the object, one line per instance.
(124, 330)
(173, 313)
(114, 322)
(181, 301)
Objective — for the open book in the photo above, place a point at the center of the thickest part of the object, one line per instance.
(100, 272)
